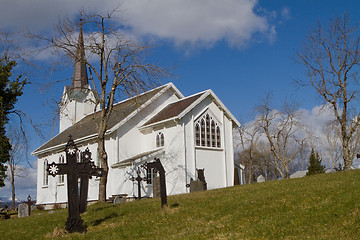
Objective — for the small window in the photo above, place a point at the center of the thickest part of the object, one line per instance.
(61, 160)
(150, 174)
(46, 174)
(160, 140)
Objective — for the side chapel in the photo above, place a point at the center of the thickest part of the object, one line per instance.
(186, 133)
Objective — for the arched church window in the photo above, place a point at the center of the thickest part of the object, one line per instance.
(218, 139)
(213, 138)
(160, 140)
(61, 160)
(208, 130)
(202, 132)
(197, 134)
(46, 175)
(157, 140)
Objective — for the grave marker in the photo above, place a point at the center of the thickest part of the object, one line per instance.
(74, 170)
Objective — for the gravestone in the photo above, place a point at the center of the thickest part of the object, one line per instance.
(23, 210)
(260, 178)
(196, 186)
(199, 184)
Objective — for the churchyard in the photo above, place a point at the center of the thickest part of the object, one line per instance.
(323, 206)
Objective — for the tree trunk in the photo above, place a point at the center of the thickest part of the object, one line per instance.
(12, 188)
(103, 157)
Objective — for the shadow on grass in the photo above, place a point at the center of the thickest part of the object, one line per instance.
(175, 205)
(99, 221)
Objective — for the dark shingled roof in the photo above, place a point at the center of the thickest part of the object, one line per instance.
(87, 126)
(173, 109)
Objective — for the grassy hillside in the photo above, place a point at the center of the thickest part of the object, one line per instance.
(325, 206)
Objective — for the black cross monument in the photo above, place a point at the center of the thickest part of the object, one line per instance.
(75, 170)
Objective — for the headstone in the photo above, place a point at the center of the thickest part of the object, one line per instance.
(199, 184)
(119, 199)
(299, 174)
(196, 186)
(23, 210)
(260, 178)
(330, 170)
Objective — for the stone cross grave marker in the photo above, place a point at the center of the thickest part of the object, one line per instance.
(75, 170)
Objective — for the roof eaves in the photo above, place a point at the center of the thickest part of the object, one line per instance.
(225, 109)
(62, 145)
(158, 123)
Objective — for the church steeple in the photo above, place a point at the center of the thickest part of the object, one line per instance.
(80, 78)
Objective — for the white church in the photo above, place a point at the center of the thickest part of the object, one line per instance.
(185, 133)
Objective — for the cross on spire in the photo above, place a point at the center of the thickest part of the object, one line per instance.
(80, 78)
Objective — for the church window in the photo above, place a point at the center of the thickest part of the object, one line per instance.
(207, 131)
(46, 175)
(61, 160)
(197, 134)
(160, 140)
(202, 132)
(150, 174)
(218, 139)
(213, 139)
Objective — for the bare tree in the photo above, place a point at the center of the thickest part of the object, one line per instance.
(333, 143)
(331, 58)
(282, 130)
(19, 146)
(116, 63)
(248, 136)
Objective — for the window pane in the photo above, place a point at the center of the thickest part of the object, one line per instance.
(162, 140)
(213, 138)
(218, 139)
(202, 132)
(197, 135)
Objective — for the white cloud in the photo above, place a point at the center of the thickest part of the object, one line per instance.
(23, 185)
(194, 22)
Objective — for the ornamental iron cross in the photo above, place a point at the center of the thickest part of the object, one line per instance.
(75, 170)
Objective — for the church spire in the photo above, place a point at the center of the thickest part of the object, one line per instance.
(80, 78)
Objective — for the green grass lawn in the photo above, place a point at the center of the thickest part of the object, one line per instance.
(324, 206)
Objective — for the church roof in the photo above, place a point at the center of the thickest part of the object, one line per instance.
(180, 108)
(173, 109)
(86, 127)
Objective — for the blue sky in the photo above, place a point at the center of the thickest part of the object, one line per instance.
(241, 49)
